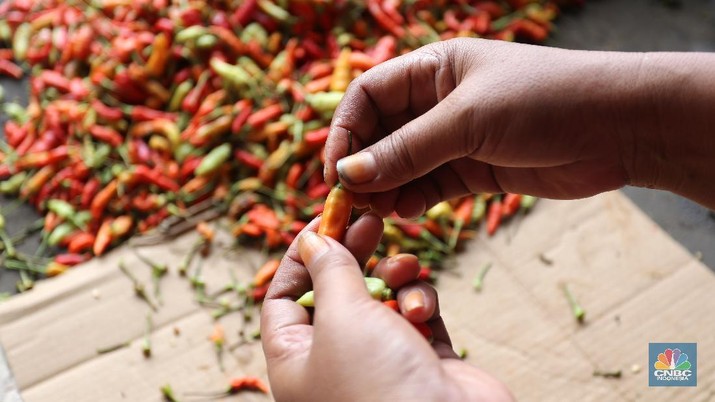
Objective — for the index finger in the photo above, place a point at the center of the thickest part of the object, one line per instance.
(384, 98)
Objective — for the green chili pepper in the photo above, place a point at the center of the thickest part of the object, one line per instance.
(59, 233)
(236, 75)
(480, 208)
(16, 112)
(191, 33)
(183, 150)
(21, 41)
(255, 31)
(527, 202)
(179, 94)
(2, 93)
(211, 162)
(206, 41)
(273, 10)
(375, 286)
(5, 31)
(13, 184)
(324, 101)
(64, 210)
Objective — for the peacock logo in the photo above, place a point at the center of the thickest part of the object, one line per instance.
(673, 364)
(672, 359)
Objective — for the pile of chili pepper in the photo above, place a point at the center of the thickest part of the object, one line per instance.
(140, 109)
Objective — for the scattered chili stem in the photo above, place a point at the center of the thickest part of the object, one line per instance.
(578, 312)
(546, 260)
(168, 394)
(157, 272)
(463, 353)
(112, 348)
(146, 343)
(479, 280)
(5, 238)
(607, 374)
(189, 257)
(139, 288)
(25, 283)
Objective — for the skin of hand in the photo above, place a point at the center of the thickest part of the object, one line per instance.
(355, 348)
(472, 115)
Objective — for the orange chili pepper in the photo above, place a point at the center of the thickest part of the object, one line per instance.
(494, 215)
(341, 77)
(100, 201)
(266, 272)
(205, 231)
(104, 237)
(336, 215)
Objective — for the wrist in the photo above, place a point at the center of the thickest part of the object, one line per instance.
(672, 127)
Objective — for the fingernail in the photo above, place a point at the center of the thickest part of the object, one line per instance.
(400, 258)
(310, 246)
(413, 301)
(358, 169)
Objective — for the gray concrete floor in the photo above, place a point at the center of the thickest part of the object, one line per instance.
(619, 25)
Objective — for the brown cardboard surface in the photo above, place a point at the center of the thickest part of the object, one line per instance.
(636, 284)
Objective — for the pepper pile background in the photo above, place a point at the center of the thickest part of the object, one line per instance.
(140, 110)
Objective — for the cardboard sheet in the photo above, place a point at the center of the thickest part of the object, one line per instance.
(636, 284)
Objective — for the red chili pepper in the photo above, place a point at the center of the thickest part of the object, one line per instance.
(248, 159)
(71, 259)
(294, 174)
(425, 330)
(317, 137)
(511, 204)
(106, 134)
(80, 243)
(392, 304)
(425, 274)
(143, 113)
(148, 175)
(264, 217)
(244, 111)
(318, 191)
(244, 12)
(259, 293)
(40, 159)
(261, 117)
(106, 112)
(10, 69)
(88, 192)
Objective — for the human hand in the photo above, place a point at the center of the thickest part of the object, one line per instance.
(355, 348)
(469, 115)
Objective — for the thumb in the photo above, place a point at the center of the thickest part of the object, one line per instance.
(412, 151)
(337, 279)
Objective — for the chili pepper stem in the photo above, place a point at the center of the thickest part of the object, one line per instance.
(578, 312)
(479, 280)
(139, 288)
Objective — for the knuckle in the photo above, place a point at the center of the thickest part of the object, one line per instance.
(397, 162)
